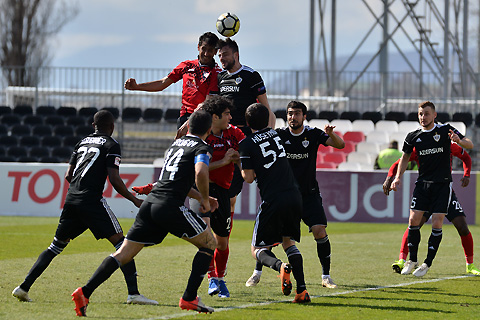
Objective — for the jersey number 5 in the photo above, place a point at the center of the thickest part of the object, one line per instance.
(272, 152)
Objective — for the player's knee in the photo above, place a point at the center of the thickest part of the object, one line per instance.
(57, 246)
(206, 251)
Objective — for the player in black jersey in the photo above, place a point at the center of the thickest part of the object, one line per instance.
(244, 86)
(264, 159)
(163, 212)
(301, 145)
(94, 158)
(433, 188)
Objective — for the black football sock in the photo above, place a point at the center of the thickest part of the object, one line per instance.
(258, 266)
(200, 265)
(296, 260)
(43, 261)
(129, 273)
(433, 244)
(268, 258)
(324, 251)
(413, 241)
(103, 272)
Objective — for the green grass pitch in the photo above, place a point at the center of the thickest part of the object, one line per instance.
(361, 259)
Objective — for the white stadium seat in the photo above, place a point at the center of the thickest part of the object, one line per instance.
(363, 125)
(370, 147)
(279, 123)
(342, 125)
(399, 137)
(386, 125)
(408, 126)
(361, 157)
(350, 166)
(318, 123)
(378, 136)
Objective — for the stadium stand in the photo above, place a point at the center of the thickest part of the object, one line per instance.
(442, 117)
(44, 111)
(324, 149)
(42, 130)
(341, 125)
(370, 147)
(408, 126)
(2, 151)
(113, 110)
(378, 136)
(349, 147)
(70, 141)
(399, 137)
(397, 116)
(350, 166)
(75, 121)
(171, 115)
(460, 126)
(17, 151)
(335, 157)
(326, 165)
(83, 131)
(131, 114)
(27, 159)
(54, 120)
(32, 120)
(39, 152)
(66, 112)
(152, 115)
(412, 116)
(362, 158)
(363, 125)
(8, 141)
(281, 114)
(51, 141)
(5, 110)
(29, 141)
(63, 130)
(318, 123)
(10, 119)
(279, 123)
(49, 159)
(3, 129)
(465, 117)
(20, 130)
(7, 159)
(311, 114)
(386, 125)
(87, 111)
(354, 136)
(350, 115)
(62, 153)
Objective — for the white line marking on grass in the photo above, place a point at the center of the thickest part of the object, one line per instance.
(252, 305)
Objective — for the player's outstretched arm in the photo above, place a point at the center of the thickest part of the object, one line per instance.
(119, 186)
(334, 139)
(153, 86)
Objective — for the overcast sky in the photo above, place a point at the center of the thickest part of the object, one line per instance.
(274, 34)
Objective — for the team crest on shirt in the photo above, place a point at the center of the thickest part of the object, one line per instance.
(238, 80)
(305, 143)
(436, 137)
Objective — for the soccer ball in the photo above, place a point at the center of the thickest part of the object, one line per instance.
(228, 24)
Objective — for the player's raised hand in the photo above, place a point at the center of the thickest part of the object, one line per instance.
(130, 84)
(454, 137)
(329, 129)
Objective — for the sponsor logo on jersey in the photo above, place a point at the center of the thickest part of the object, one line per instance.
(430, 151)
(229, 89)
(305, 143)
(117, 161)
(93, 140)
(436, 137)
(218, 145)
(297, 156)
(238, 80)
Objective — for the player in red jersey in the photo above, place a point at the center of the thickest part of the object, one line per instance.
(455, 212)
(199, 77)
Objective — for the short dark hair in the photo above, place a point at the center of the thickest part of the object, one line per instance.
(209, 38)
(297, 105)
(427, 104)
(199, 122)
(217, 105)
(103, 119)
(227, 43)
(257, 116)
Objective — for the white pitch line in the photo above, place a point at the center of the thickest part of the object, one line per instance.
(252, 305)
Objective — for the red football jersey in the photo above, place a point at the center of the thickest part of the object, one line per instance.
(198, 82)
(230, 138)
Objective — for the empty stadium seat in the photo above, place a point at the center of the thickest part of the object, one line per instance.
(131, 114)
(318, 123)
(399, 137)
(5, 110)
(341, 125)
(10, 119)
(279, 114)
(362, 125)
(397, 116)
(3, 151)
(8, 141)
(32, 120)
(66, 112)
(442, 117)
(311, 114)
(20, 130)
(408, 126)
(17, 151)
(83, 131)
(7, 159)
(361, 157)
(373, 116)
(350, 115)
(324, 149)
(370, 147)
(279, 123)
(378, 136)
(354, 136)
(171, 115)
(29, 141)
(326, 165)
(63, 130)
(477, 120)
(87, 112)
(412, 116)
(349, 147)
(45, 111)
(54, 120)
(113, 110)
(335, 157)
(386, 125)
(329, 115)
(71, 141)
(75, 121)
(27, 159)
(62, 153)
(51, 141)
(42, 130)
(49, 159)
(3, 129)
(152, 115)
(465, 117)
(350, 166)
(23, 110)
(39, 152)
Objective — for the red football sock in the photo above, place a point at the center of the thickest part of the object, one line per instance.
(467, 244)
(211, 270)
(221, 259)
(404, 247)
